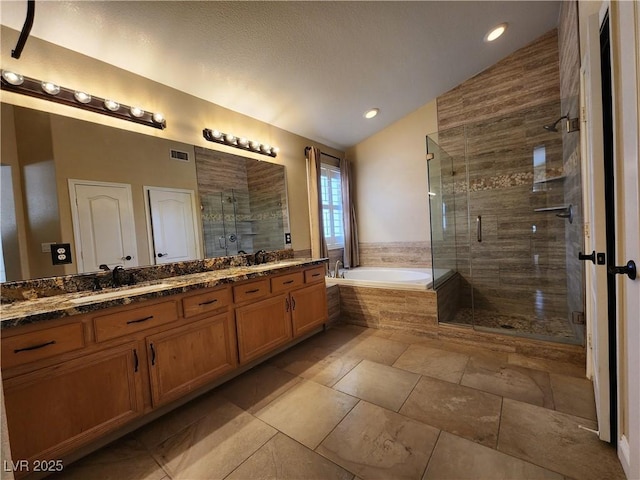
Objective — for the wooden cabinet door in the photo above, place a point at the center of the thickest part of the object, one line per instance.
(57, 409)
(263, 326)
(190, 356)
(308, 308)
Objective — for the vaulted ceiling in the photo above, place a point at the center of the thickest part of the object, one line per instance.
(310, 67)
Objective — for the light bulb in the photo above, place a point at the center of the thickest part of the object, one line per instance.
(274, 151)
(136, 112)
(12, 77)
(495, 32)
(50, 88)
(371, 113)
(265, 148)
(158, 118)
(243, 142)
(111, 105)
(216, 134)
(230, 138)
(255, 145)
(82, 97)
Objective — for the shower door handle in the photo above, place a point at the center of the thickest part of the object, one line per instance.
(479, 227)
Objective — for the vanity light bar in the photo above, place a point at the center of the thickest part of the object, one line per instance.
(239, 142)
(14, 82)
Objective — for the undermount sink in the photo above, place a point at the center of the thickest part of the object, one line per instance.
(120, 293)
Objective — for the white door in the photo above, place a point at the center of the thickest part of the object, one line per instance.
(103, 225)
(595, 228)
(625, 26)
(173, 225)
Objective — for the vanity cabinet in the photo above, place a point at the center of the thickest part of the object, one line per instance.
(54, 410)
(308, 308)
(262, 326)
(185, 358)
(71, 381)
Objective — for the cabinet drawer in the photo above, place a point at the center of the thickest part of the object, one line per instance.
(286, 282)
(206, 302)
(251, 291)
(40, 344)
(131, 321)
(314, 274)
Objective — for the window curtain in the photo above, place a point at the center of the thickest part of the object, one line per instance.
(318, 243)
(351, 251)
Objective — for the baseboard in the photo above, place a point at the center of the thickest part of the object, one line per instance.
(624, 454)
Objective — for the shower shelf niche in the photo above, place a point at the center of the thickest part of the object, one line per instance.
(551, 179)
(566, 211)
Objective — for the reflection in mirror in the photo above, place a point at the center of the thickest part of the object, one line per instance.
(243, 203)
(40, 152)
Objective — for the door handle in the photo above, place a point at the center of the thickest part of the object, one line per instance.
(479, 227)
(160, 255)
(629, 269)
(592, 257)
(128, 257)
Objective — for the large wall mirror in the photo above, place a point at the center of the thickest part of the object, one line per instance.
(51, 164)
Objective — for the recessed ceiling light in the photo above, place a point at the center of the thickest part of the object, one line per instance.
(495, 32)
(371, 113)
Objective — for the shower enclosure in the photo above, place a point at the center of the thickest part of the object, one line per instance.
(506, 223)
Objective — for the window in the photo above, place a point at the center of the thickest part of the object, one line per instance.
(332, 206)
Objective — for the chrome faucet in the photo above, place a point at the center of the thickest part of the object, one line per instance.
(336, 270)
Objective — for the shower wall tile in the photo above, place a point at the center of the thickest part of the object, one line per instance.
(526, 78)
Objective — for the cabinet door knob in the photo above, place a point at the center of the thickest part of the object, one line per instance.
(127, 257)
(160, 255)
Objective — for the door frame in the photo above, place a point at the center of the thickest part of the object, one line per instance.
(197, 231)
(75, 218)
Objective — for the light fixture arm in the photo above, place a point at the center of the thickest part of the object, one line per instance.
(26, 29)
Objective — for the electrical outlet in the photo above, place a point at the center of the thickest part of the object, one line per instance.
(287, 238)
(60, 253)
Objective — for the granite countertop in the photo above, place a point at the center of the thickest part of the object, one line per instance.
(64, 305)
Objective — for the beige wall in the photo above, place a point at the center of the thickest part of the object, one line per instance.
(390, 172)
(186, 115)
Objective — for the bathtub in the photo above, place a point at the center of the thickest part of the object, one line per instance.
(381, 277)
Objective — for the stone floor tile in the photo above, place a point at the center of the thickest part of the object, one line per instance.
(574, 396)
(466, 412)
(547, 365)
(214, 446)
(256, 388)
(511, 381)
(555, 441)
(375, 348)
(433, 362)
(125, 459)
(171, 423)
(375, 443)
(285, 459)
(315, 363)
(386, 386)
(456, 458)
(307, 412)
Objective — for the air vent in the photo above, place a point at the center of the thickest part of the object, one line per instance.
(178, 155)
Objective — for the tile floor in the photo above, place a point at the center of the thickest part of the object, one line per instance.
(354, 403)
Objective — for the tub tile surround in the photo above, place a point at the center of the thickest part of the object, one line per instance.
(270, 432)
(61, 305)
(395, 254)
